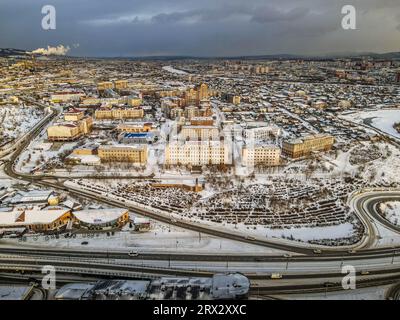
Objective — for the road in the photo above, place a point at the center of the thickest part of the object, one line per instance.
(306, 263)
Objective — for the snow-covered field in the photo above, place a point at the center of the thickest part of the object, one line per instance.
(380, 119)
(173, 70)
(17, 120)
(391, 211)
(161, 238)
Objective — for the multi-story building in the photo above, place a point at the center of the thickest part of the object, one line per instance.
(64, 132)
(261, 133)
(73, 115)
(198, 153)
(102, 86)
(266, 155)
(135, 127)
(66, 97)
(121, 84)
(123, 153)
(202, 121)
(119, 113)
(70, 131)
(305, 146)
(199, 132)
(195, 95)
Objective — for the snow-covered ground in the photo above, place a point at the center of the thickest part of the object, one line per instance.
(161, 238)
(173, 70)
(380, 119)
(374, 293)
(391, 210)
(17, 120)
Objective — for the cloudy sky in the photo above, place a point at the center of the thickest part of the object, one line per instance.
(201, 27)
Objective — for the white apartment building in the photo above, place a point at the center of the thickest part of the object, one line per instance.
(267, 155)
(199, 132)
(197, 153)
(261, 133)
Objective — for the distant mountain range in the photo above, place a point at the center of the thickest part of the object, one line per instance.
(7, 52)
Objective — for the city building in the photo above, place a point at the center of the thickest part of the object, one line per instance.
(199, 132)
(135, 127)
(118, 113)
(202, 121)
(66, 97)
(261, 133)
(102, 86)
(136, 138)
(36, 220)
(195, 95)
(265, 155)
(64, 132)
(121, 84)
(73, 115)
(305, 146)
(123, 153)
(70, 131)
(197, 153)
(101, 219)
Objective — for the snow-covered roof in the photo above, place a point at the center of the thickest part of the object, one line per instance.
(30, 217)
(99, 216)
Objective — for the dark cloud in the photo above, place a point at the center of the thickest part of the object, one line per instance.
(269, 14)
(204, 28)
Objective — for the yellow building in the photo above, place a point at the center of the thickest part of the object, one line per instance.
(197, 94)
(135, 128)
(73, 115)
(123, 153)
(70, 131)
(200, 132)
(121, 84)
(101, 86)
(134, 101)
(37, 220)
(261, 155)
(197, 153)
(304, 147)
(64, 132)
(85, 125)
(114, 113)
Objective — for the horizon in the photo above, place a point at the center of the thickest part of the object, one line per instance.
(207, 29)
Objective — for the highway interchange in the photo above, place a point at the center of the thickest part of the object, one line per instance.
(374, 265)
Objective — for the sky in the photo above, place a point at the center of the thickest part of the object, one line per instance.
(123, 28)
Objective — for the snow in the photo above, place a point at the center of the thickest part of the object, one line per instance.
(173, 70)
(17, 120)
(391, 209)
(162, 238)
(380, 119)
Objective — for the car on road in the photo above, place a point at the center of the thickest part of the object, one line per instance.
(364, 272)
(250, 238)
(133, 253)
(287, 255)
(84, 243)
(276, 276)
(317, 251)
(173, 220)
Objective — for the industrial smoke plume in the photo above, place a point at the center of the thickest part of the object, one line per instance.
(58, 51)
